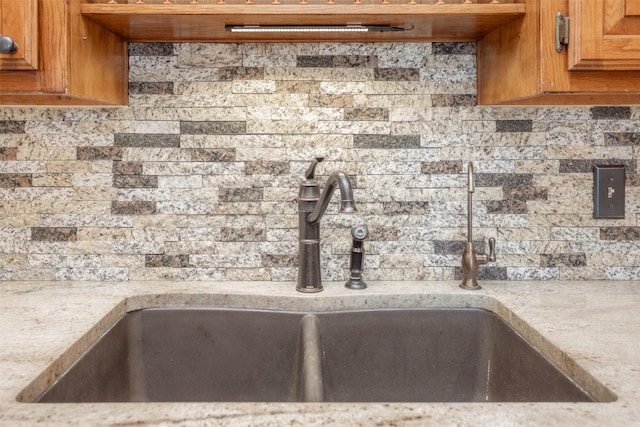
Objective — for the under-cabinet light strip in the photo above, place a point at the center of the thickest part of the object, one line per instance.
(311, 28)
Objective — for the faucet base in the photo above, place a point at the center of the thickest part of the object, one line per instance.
(470, 286)
(355, 283)
(309, 289)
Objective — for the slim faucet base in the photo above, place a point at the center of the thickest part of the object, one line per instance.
(309, 289)
(470, 285)
(470, 265)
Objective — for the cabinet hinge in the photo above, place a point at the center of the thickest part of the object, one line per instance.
(562, 31)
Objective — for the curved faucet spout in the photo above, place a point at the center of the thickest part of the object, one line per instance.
(347, 204)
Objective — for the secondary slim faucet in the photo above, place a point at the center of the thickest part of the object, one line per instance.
(311, 208)
(471, 259)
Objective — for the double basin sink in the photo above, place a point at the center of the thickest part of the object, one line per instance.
(247, 355)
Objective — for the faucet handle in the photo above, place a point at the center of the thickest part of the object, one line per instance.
(492, 249)
(311, 171)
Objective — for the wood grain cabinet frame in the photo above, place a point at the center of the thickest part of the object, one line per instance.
(76, 62)
(518, 63)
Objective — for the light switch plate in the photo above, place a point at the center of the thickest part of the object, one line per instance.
(608, 191)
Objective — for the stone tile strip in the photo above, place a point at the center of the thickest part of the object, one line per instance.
(563, 260)
(133, 207)
(146, 140)
(620, 233)
(610, 113)
(175, 261)
(12, 126)
(54, 234)
(99, 153)
(8, 153)
(14, 180)
(213, 128)
(622, 138)
(386, 141)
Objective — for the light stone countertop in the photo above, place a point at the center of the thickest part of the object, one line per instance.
(594, 324)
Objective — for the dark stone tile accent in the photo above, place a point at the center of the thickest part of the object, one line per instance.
(453, 48)
(405, 208)
(563, 260)
(99, 153)
(265, 167)
(622, 138)
(127, 168)
(279, 260)
(213, 128)
(135, 181)
(397, 74)
(150, 49)
(241, 194)
(526, 193)
(355, 61)
(611, 113)
(386, 141)
(454, 100)
(511, 180)
(8, 153)
(175, 261)
(506, 207)
(150, 88)
(514, 125)
(485, 272)
(229, 234)
(11, 126)
(54, 234)
(133, 207)
(146, 140)
(240, 73)
(586, 165)
(318, 61)
(213, 155)
(444, 167)
(620, 233)
(13, 180)
(366, 114)
(492, 273)
(448, 247)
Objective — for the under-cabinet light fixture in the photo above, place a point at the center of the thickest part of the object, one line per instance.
(312, 28)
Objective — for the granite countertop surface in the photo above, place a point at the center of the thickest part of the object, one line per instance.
(595, 324)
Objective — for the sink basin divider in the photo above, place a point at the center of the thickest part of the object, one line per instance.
(311, 359)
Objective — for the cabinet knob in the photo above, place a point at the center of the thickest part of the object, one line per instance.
(7, 45)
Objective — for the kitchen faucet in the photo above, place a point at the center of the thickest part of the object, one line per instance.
(471, 259)
(311, 208)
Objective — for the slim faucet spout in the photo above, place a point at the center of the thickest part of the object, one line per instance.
(347, 204)
(471, 259)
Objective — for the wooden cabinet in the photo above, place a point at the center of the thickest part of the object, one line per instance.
(76, 63)
(181, 21)
(19, 20)
(605, 35)
(518, 64)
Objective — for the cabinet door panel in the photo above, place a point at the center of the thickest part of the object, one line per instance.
(19, 20)
(605, 35)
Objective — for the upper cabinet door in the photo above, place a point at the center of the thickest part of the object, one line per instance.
(19, 20)
(605, 35)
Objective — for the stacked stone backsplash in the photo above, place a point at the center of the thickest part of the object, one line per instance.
(196, 178)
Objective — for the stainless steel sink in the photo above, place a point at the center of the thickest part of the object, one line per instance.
(394, 355)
